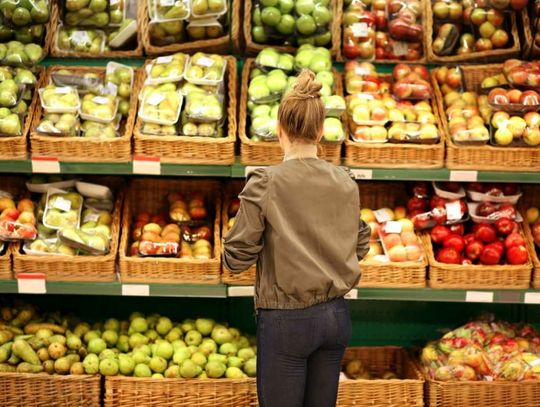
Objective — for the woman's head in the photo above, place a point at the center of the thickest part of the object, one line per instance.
(301, 112)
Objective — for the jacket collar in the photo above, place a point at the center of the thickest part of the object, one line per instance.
(301, 151)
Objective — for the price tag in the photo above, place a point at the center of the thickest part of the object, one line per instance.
(381, 215)
(463, 176)
(453, 210)
(205, 61)
(110, 89)
(392, 227)
(146, 165)
(250, 169)
(31, 283)
(362, 174)
(101, 100)
(532, 298)
(167, 3)
(139, 290)
(351, 295)
(80, 37)
(479, 296)
(360, 29)
(155, 99)
(400, 48)
(46, 165)
(62, 203)
(91, 217)
(241, 291)
(165, 59)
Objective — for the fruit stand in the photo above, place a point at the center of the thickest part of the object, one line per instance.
(128, 128)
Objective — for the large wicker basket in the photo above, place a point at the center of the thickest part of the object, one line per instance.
(32, 390)
(457, 276)
(485, 394)
(149, 195)
(221, 45)
(531, 198)
(484, 157)
(195, 150)
(135, 392)
(495, 55)
(407, 274)
(77, 268)
(247, 277)
(83, 148)
(270, 152)
(16, 148)
(408, 391)
(5, 262)
(121, 53)
(253, 48)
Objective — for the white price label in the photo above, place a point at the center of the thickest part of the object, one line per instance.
(360, 30)
(392, 227)
(241, 291)
(453, 210)
(91, 217)
(205, 61)
(31, 283)
(362, 174)
(146, 165)
(250, 169)
(165, 59)
(155, 99)
(463, 176)
(400, 48)
(167, 3)
(63, 90)
(80, 37)
(45, 165)
(479, 296)
(381, 215)
(101, 100)
(110, 89)
(62, 203)
(532, 298)
(140, 290)
(351, 295)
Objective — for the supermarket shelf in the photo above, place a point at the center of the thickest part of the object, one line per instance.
(115, 288)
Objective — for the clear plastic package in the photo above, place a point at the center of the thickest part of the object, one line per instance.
(80, 40)
(168, 10)
(59, 124)
(202, 107)
(206, 69)
(269, 59)
(99, 108)
(55, 99)
(90, 242)
(205, 9)
(416, 133)
(161, 106)
(169, 68)
(63, 209)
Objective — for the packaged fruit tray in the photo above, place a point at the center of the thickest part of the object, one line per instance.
(230, 199)
(219, 45)
(492, 55)
(269, 152)
(77, 268)
(150, 195)
(482, 157)
(50, 390)
(377, 274)
(253, 48)
(475, 276)
(134, 48)
(136, 391)
(16, 147)
(190, 149)
(116, 149)
(405, 391)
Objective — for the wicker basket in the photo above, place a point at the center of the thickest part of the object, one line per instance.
(407, 274)
(56, 52)
(195, 150)
(150, 195)
(405, 392)
(77, 268)
(531, 198)
(495, 55)
(221, 45)
(484, 157)
(16, 148)
(247, 277)
(5, 262)
(82, 148)
(33, 390)
(457, 276)
(135, 392)
(253, 48)
(485, 394)
(526, 33)
(270, 153)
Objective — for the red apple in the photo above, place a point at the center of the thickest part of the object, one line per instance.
(485, 209)
(486, 233)
(400, 71)
(490, 256)
(455, 241)
(529, 98)
(517, 255)
(449, 255)
(439, 234)
(474, 249)
(514, 239)
(505, 226)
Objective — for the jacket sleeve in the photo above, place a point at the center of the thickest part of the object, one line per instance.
(243, 243)
(364, 233)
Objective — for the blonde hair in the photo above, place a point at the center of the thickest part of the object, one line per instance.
(301, 112)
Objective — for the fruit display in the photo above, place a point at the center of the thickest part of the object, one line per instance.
(399, 241)
(169, 68)
(273, 77)
(515, 129)
(522, 74)
(382, 30)
(81, 40)
(59, 124)
(17, 86)
(484, 351)
(16, 53)
(153, 346)
(122, 77)
(463, 28)
(356, 370)
(17, 221)
(292, 22)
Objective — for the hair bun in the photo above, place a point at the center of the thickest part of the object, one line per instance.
(307, 87)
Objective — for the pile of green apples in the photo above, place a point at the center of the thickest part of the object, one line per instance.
(194, 107)
(181, 21)
(153, 346)
(293, 22)
(22, 23)
(16, 91)
(272, 79)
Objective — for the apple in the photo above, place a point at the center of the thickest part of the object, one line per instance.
(499, 38)
(495, 17)
(397, 253)
(531, 136)
(516, 125)
(503, 136)
(529, 98)
(514, 96)
(500, 119)
(483, 44)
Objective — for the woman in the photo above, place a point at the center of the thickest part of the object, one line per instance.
(299, 222)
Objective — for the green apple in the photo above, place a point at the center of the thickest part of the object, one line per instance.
(286, 24)
(321, 15)
(303, 58)
(334, 102)
(326, 77)
(259, 35)
(258, 90)
(269, 3)
(268, 57)
(322, 39)
(270, 16)
(286, 62)
(261, 111)
(320, 63)
(304, 7)
(305, 25)
(326, 90)
(333, 129)
(286, 6)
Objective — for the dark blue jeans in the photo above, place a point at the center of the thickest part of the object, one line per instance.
(299, 354)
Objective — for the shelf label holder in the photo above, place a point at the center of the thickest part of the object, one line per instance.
(31, 283)
(146, 165)
(45, 165)
(479, 296)
(136, 290)
(463, 176)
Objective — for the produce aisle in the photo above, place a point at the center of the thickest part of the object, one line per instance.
(128, 128)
